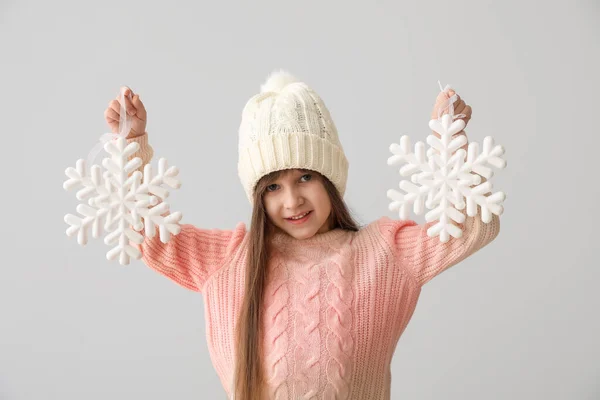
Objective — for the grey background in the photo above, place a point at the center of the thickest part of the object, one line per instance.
(518, 320)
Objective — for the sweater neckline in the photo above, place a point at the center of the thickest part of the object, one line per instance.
(280, 237)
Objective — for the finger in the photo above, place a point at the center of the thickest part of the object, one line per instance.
(460, 107)
(112, 123)
(112, 114)
(441, 107)
(126, 90)
(115, 106)
(441, 104)
(459, 103)
(127, 94)
(467, 111)
(139, 107)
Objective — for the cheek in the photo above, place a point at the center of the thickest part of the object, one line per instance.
(324, 203)
(270, 208)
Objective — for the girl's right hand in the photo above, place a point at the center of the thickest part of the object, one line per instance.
(135, 109)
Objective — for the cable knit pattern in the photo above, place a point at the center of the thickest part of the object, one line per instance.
(307, 337)
(275, 325)
(340, 342)
(335, 305)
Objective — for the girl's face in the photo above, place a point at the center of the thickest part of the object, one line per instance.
(298, 193)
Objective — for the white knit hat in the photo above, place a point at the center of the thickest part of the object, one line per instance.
(287, 126)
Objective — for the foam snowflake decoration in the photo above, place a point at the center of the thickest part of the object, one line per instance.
(444, 181)
(118, 201)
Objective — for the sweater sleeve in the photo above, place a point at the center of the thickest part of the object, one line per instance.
(427, 257)
(193, 255)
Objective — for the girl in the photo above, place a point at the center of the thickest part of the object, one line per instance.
(304, 304)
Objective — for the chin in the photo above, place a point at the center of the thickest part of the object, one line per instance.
(302, 231)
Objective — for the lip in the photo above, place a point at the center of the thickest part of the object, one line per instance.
(301, 220)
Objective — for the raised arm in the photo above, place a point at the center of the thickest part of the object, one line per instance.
(427, 256)
(192, 256)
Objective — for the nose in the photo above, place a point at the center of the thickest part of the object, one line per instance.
(293, 199)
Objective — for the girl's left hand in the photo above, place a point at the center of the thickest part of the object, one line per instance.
(460, 107)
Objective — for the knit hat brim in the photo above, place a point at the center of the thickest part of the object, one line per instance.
(291, 151)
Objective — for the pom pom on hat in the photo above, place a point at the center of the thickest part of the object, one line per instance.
(277, 80)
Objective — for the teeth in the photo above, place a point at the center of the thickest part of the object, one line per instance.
(301, 216)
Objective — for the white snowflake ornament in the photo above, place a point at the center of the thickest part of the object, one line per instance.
(443, 180)
(118, 201)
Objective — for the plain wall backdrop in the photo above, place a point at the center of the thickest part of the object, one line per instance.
(517, 320)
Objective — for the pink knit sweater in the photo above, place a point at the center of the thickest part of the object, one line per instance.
(336, 304)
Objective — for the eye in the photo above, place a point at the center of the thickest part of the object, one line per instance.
(308, 176)
(271, 187)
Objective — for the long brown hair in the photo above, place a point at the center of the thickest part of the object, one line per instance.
(249, 379)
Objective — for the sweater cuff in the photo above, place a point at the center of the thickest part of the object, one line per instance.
(145, 152)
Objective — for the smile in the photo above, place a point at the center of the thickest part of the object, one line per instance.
(299, 218)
